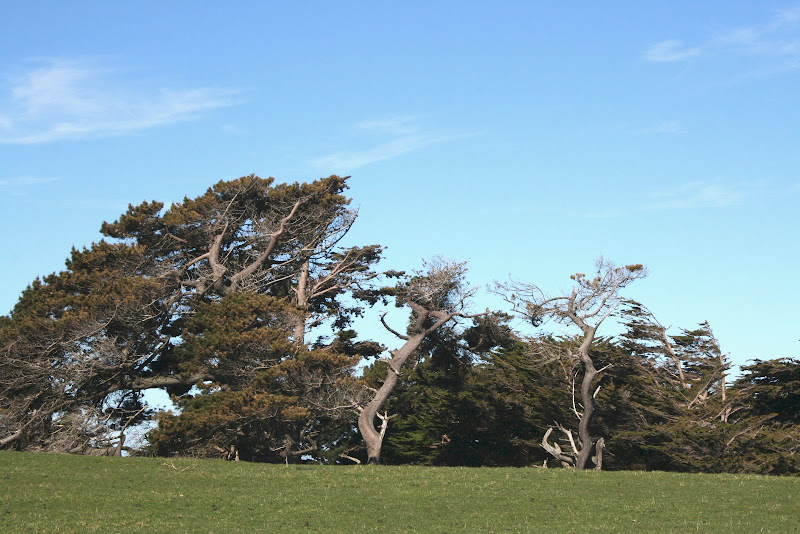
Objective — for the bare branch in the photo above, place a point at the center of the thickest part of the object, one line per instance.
(273, 240)
(390, 329)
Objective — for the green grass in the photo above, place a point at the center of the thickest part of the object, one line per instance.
(54, 493)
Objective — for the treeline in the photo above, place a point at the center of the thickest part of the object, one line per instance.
(213, 300)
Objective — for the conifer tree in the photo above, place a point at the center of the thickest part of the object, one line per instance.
(146, 309)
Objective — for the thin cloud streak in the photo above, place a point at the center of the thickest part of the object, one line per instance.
(669, 51)
(695, 195)
(775, 38)
(408, 138)
(64, 100)
(692, 195)
(350, 160)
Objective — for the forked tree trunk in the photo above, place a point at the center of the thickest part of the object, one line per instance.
(583, 454)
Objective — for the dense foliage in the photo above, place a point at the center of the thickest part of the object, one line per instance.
(212, 300)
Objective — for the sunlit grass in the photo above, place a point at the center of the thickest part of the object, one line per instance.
(54, 493)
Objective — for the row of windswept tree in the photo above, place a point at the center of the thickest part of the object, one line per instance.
(214, 298)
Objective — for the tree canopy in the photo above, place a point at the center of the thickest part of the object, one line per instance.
(240, 304)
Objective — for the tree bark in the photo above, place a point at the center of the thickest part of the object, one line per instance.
(566, 459)
(302, 306)
(373, 438)
(10, 439)
(676, 360)
(598, 454)
(141, 383)
(589, 373)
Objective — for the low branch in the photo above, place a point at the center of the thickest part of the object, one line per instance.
(313, 447)
(18, 434)
(10, 439)
(160, 382)
(568, 433)
(574, 407)
(351, 458)
(390, 329)
(555, 450)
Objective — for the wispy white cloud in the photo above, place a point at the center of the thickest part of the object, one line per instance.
(777, 37)
(696, 195)
(670, 50)
(754, 41)
(691, 195)
(70, 100)
(404, 136)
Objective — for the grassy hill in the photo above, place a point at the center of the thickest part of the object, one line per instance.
(52, 493)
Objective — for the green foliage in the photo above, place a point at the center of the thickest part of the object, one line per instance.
(774, 388)
(205, 294)
(696, 427)
(464, 403)
(269, 398)
(510, 402)
(71, 339)
(211, 299)
(235, 335)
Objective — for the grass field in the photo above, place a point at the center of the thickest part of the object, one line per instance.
(54, 493)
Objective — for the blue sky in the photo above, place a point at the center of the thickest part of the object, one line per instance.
(526, 137)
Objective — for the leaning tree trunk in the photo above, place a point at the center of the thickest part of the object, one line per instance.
(373, 437)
